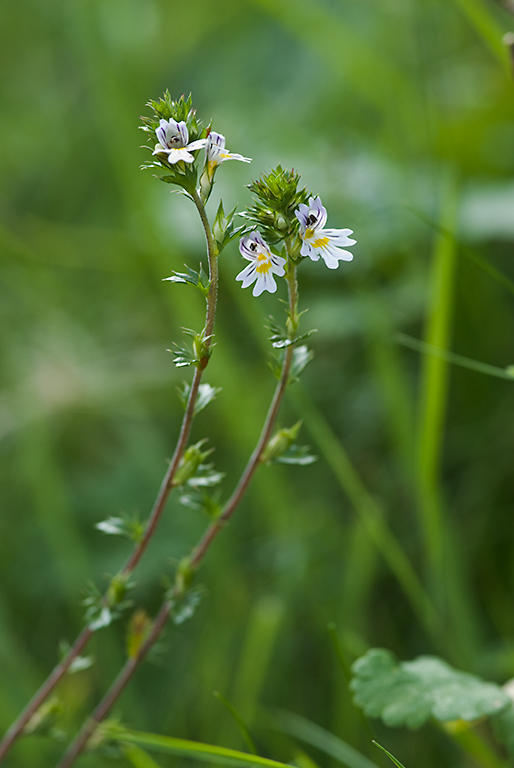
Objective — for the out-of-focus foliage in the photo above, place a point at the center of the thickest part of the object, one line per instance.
(400, 114)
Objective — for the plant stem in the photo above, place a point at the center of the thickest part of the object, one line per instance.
(239, 491)
(198, 553)
(16, 729)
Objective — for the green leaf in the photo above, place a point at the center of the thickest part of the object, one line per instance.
(279, 336)
(195, 496)
(102, 610)
(198, 279)
(79, 662)
(296, 454)
(389, 755)
(184, 607)
(503, 725)
(301, 358)
(193, 355)
(128, 526)
(223, 228)
(194, 749)
(206, 394)
(45, 717)
(409, 693)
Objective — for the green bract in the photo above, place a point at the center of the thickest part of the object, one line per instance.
(274, 208)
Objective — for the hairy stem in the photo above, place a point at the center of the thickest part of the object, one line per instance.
(201, 549)
(16, 729)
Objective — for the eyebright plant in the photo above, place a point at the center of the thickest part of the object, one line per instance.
(283, 227)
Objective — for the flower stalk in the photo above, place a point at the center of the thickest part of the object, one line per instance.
(17, 728)
(194, 561)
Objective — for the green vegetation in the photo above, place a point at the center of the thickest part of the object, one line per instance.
(401, 114)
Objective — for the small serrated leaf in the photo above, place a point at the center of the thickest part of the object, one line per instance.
(183, 608)
(198, 279)
(279, 336)
(301, 358)
(128, 526)
(206, 394)
(409, 693)
(79, 663)
(296, 454)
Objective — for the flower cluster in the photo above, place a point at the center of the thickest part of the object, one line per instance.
(177, 136)
(284, 215)
(315, 241)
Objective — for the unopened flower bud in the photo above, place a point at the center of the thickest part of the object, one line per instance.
(191, 460)
(280, 442)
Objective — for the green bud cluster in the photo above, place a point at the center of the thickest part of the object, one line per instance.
(278, 197)
(180, 110)
(197, 354)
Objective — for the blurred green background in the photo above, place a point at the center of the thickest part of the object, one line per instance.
(400, 114)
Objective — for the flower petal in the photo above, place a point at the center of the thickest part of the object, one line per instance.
(182, 132)
(277, 265)
(308, 250)
(247, 275)
(340, 236)
(256, 240)
(198, 144)
(265, 282)
(174, 155)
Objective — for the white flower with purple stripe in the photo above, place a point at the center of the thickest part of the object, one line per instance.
(173, 140)
(263, 266)
(317, 241)
(216, 152)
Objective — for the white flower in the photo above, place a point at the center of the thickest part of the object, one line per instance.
(322, 242)
(173, 140)
(216, 152)
(263, 264)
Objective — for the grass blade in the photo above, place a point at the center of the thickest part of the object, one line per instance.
(389, 755)
(139, 758)
(434, 388)
(318, 737)
(485, 25)
(367, 508)
(195, 750)
(452, 357)
(245, 733)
